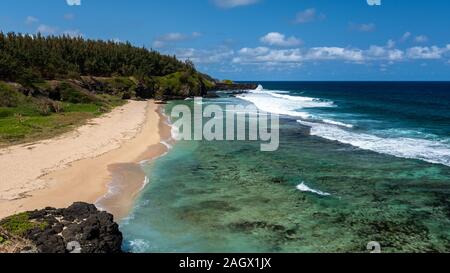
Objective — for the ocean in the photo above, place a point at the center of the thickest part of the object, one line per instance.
(358, 162)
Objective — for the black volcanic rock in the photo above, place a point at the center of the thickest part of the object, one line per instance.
(80, 227)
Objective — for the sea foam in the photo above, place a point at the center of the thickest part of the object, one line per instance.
(337, 123)
(138, 246)
(412, 148)
(274, 102)
(278, 102)
(304, 188)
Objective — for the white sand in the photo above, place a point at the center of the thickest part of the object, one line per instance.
(74, 166)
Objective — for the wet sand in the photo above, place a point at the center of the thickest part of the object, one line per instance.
(128, 179)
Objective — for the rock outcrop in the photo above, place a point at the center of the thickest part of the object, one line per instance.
(80, 228)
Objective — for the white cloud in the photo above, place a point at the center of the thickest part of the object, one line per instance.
(45, 29)
(308, 15)
(158, 44)
(203, 56)
(335, 53)
(73, 2)
(383, 53)
(395, 55)
(174, 37)
(369, 27)
(421, 39)
(257, 51)
(418, 39)
(31, 20)
(271, 57)
(405, 36)
(234, 3)
(391, 44)
(267, 55)
(433, 52)
(278, 39)
(355, 55)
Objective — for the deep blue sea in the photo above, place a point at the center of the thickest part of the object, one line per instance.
(358, 162)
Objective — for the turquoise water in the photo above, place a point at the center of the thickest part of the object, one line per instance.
(345, 174)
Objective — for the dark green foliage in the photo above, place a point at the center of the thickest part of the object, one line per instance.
(227, 81)
(180, 84)
(9, 97)
(49, 84)
(20, 224)
(73, 94)
(123, 86)
(49, 109)
(26, 59)
(146, 88)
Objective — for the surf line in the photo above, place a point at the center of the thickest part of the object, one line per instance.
(262, 126)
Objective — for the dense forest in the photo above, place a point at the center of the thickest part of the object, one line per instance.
(28, 58)
(48, 84)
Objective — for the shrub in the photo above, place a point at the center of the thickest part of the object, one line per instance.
(46, 106)
(43, 108)
(227, 81)
(179, 84)
(57, 107)
(72, 94)
(9, 97)
(20, 224)
(127, 96)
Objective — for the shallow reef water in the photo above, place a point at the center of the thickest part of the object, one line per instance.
(229, 197)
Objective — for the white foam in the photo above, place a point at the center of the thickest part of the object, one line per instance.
(139, 245)
(146, 182)
(277, 94)
(259, 88)
(337, 123)
(431, 151)
(304, 188)
(273, 102)
(113, 189)
(168, 146)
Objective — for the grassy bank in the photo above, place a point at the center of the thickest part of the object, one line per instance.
(30, 118)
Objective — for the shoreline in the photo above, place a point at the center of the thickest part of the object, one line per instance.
(127, 180)
(81, 165)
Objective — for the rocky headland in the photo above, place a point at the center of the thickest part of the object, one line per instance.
(80, 228)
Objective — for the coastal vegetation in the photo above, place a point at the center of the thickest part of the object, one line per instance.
(31, 58)
(31, 117)
(20, 224)
(227, 82)
(51, 84)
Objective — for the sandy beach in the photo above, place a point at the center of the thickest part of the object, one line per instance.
(88, 164)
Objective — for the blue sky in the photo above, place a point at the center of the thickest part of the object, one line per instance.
(262, 39)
